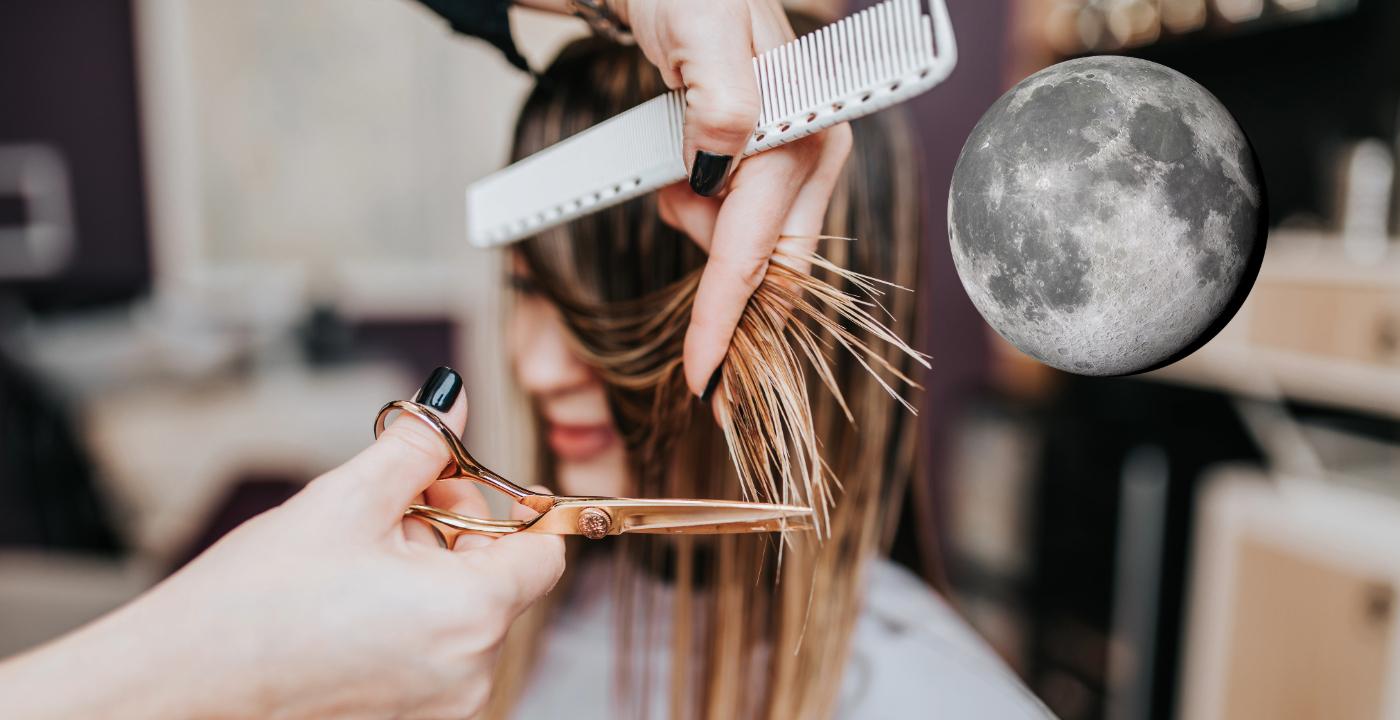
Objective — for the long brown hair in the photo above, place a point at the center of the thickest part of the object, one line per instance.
(753, 635)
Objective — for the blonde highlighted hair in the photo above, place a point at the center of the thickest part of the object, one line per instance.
(803, 414)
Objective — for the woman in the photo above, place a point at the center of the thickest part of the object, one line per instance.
(729, 626)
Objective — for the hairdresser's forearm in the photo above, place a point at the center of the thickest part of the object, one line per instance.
(127, 664)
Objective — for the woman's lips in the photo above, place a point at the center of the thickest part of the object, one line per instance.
(579, 442)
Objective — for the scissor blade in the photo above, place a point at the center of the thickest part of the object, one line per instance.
(695, 517)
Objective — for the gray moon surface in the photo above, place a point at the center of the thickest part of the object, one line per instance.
(1107, 216)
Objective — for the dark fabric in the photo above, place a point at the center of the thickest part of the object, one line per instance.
(48, 493)
(486, 19)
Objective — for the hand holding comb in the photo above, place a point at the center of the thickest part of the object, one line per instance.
(876, 58)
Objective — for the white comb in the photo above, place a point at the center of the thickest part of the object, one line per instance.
(880, 56)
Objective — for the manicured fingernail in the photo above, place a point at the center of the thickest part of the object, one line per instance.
(439, 391)
(710, 386)
(708, 172)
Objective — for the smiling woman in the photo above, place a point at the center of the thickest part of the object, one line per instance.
(571, 404)
(730, 626)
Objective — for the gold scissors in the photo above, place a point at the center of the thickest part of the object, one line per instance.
(591, 517)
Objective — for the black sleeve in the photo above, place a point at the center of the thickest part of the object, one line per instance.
(486, 19)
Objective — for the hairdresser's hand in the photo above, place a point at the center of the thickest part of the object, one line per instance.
(708, 48)
(331, 605)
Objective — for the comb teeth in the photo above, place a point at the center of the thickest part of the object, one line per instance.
(878, 57)
(868, 61)
(617, 160)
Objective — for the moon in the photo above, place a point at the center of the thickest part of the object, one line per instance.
(1107, 216)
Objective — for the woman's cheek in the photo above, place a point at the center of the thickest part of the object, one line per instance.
(523, 323)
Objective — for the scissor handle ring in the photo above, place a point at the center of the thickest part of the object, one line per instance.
(442, 539)
(464, 523)
(462, 465)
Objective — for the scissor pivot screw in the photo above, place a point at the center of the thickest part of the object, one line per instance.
(594, 523)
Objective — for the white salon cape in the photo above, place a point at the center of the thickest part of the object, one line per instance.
(911, 656)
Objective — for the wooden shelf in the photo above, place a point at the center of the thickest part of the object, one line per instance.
(1317, 327)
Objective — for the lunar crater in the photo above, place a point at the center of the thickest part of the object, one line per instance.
(1103, 213)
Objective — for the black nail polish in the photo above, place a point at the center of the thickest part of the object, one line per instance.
(710, 386)
(439, 391)
(708, 172)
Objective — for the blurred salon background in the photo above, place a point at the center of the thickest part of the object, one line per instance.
(230, 231)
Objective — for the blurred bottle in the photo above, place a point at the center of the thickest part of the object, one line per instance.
(1365, 187)
(1182, 16)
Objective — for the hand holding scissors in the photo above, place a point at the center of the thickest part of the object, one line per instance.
(329, 601)
(592, 517)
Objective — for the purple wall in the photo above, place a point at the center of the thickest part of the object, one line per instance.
(954, 334)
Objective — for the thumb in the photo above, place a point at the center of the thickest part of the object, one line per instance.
(410, 454)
